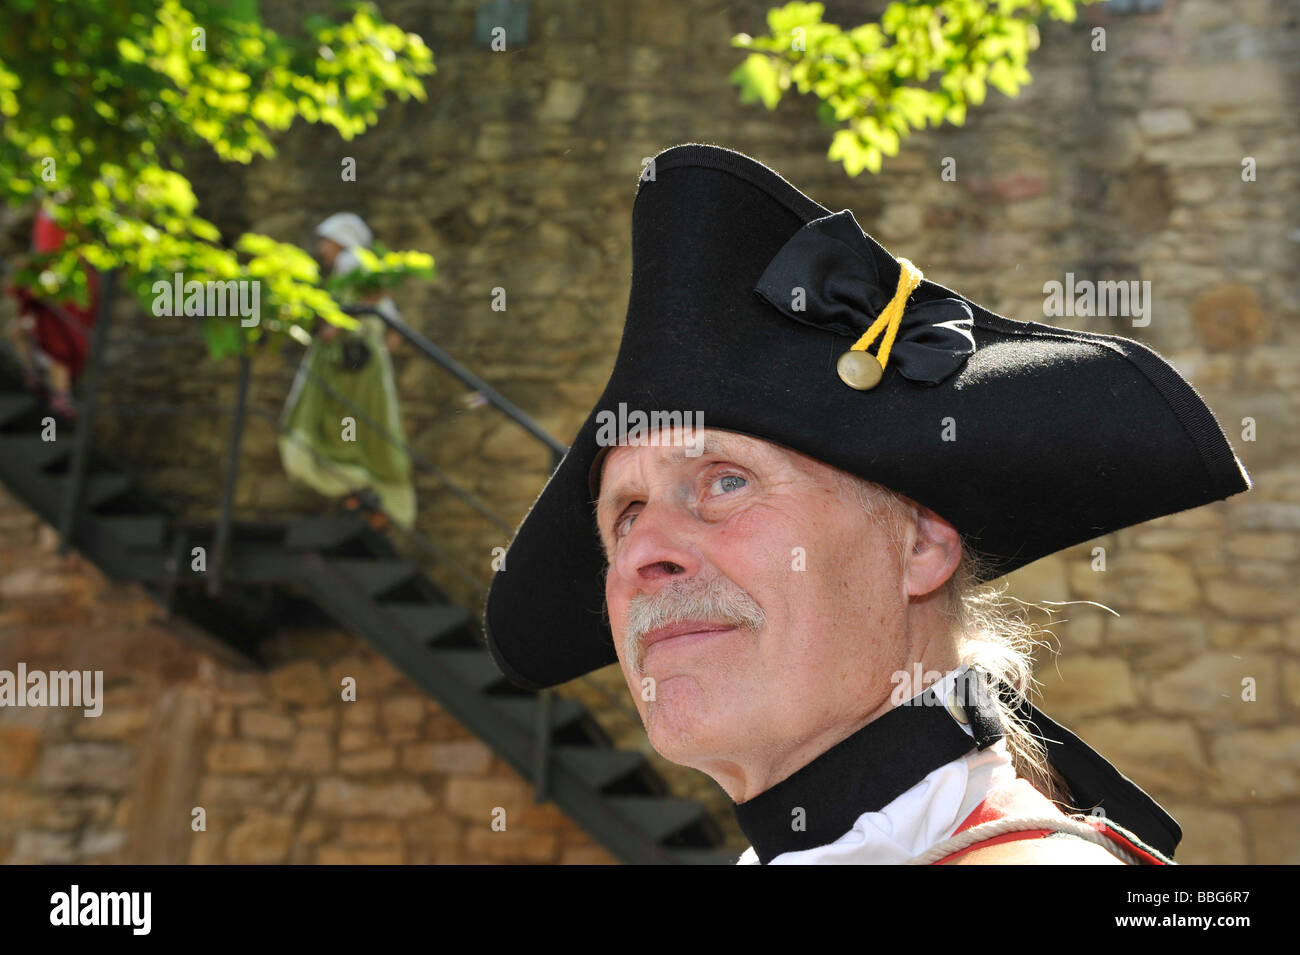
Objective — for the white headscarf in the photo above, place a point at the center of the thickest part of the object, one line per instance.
(350, 231)
(347, 229)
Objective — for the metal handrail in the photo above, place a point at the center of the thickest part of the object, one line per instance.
(81, 435)
(494, 397)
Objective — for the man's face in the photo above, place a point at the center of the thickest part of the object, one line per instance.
(799, 605)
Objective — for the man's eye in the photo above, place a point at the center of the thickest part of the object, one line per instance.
(728, 482)
(620, 524)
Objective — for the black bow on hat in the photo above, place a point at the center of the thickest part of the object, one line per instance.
(827, 268)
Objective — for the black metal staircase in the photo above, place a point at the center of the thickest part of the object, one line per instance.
(355, 575)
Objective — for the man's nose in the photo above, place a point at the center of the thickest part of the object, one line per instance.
(658, 545)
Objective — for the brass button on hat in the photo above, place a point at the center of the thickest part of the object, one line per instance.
(859, 370)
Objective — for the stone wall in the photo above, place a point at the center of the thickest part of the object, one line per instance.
(519, 174)
(284, 770)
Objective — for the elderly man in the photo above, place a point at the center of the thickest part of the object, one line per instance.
(784, 552)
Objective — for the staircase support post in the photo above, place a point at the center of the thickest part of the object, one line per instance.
(221, 545)
(542, 746)
(86, 413)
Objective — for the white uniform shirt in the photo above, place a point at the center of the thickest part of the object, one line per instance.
(919, 818)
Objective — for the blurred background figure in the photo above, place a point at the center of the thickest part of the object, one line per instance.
(349, 375)
(53, 338)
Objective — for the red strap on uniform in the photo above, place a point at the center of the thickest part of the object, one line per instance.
(1019, 798)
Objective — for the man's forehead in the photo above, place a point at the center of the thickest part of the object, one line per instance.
(713, 442)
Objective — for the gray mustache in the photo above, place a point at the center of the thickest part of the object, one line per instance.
(689, 599)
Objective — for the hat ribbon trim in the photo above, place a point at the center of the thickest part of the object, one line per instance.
(891, 317)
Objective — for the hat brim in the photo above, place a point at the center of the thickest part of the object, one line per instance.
(1047, 437)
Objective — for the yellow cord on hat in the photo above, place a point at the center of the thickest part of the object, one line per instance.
(891, 316)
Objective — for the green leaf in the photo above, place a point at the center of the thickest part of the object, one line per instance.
(757, 78)
(922, 63)
(121, 115)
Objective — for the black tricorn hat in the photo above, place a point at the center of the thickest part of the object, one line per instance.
(1061, 436)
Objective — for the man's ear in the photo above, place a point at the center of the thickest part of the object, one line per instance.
(935, 552)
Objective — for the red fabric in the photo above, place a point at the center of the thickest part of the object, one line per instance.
(62, 328)
(46, 234)
(1019, 798)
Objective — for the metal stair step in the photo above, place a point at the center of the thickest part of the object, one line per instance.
(658, 816)
(13, 405)
(319, 533)
(30, 447)
(426, 622)
(597, 766)
(375, 576)
(523, 710)
(475, 667)
(137, 531)
(99, 489)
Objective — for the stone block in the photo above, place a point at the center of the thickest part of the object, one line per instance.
(1251, 601)
(1232, 635)
(474, 799)
(403, 711)
(358, 740)
(359, 714)
(1157, 124)
(1209, 687)
(344, 797)
(260, 840)
(1274, 835)
(313, 752)
(1210, 836)
(301, 682)
(244, 756)
(457, 757)
(20, 746)
(370, 832)
(587, 855)
(1256, 765)
(43, 848)
(1085, 686)
(94, 765)
(1203, 85)
(1135, 629)
(265, 724)
(484, 846)
(321, 717)
(368, 761)
(346, 855)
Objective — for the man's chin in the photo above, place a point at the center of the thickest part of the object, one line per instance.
(682, 728)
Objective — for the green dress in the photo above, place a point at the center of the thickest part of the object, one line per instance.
(342, 444)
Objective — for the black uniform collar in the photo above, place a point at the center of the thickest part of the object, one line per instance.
(869, 769)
